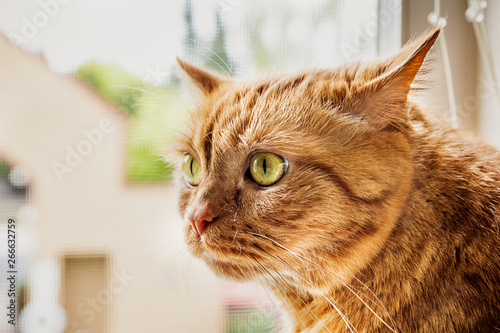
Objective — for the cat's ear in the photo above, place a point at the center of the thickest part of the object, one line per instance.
(203, 79)
(385, 96)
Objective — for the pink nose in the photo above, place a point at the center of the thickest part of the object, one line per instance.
(199, 220)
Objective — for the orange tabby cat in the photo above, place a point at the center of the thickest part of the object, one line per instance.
(362, 211)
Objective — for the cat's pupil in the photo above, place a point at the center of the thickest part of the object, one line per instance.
(264, 166)
(191, 166)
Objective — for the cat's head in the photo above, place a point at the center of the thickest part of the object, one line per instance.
(300, 173)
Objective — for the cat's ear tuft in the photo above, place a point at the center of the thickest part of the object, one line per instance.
(388, 91)
(205, 80)
(410, 59)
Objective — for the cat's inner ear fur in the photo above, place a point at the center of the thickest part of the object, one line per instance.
(205, 80)
(384, 98)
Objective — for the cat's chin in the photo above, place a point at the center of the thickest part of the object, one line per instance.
(229, 269)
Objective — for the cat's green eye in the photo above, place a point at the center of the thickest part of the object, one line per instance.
(267, 168)
(191, 170)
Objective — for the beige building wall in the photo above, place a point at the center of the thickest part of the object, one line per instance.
(90, 210)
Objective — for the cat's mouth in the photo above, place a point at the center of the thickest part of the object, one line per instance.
(226, 257)
(202, 245)
(211, 248)
(221, 262)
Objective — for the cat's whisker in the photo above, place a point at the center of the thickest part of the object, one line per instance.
(302, 258)
(153, 106)
(225, 70)
(378, 302)
(241, 270)
(495, 233)
(354, 292)
(240, 248)
(212, 132)
(259, 276)
(149, 92)
(348, 323)
(142, 138)
(287, 304)
(260, 106)
(241, 136)
(348, 286)
(304, 303)
(310, 262)
(379, 305)
(141, 90)
(280, 288)
(209, 133)
(268, 295)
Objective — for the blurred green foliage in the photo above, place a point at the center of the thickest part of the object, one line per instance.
(113, 83)
(152, 117)
(4, 170)
(251, 320)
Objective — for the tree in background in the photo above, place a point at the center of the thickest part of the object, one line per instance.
(208, 53)
(190, 37)
(217, 57)
(152, 109)
(113, 83)
(151, 114)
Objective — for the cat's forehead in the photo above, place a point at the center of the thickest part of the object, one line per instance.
(249, 114)
(258, 108)
(282, 114)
